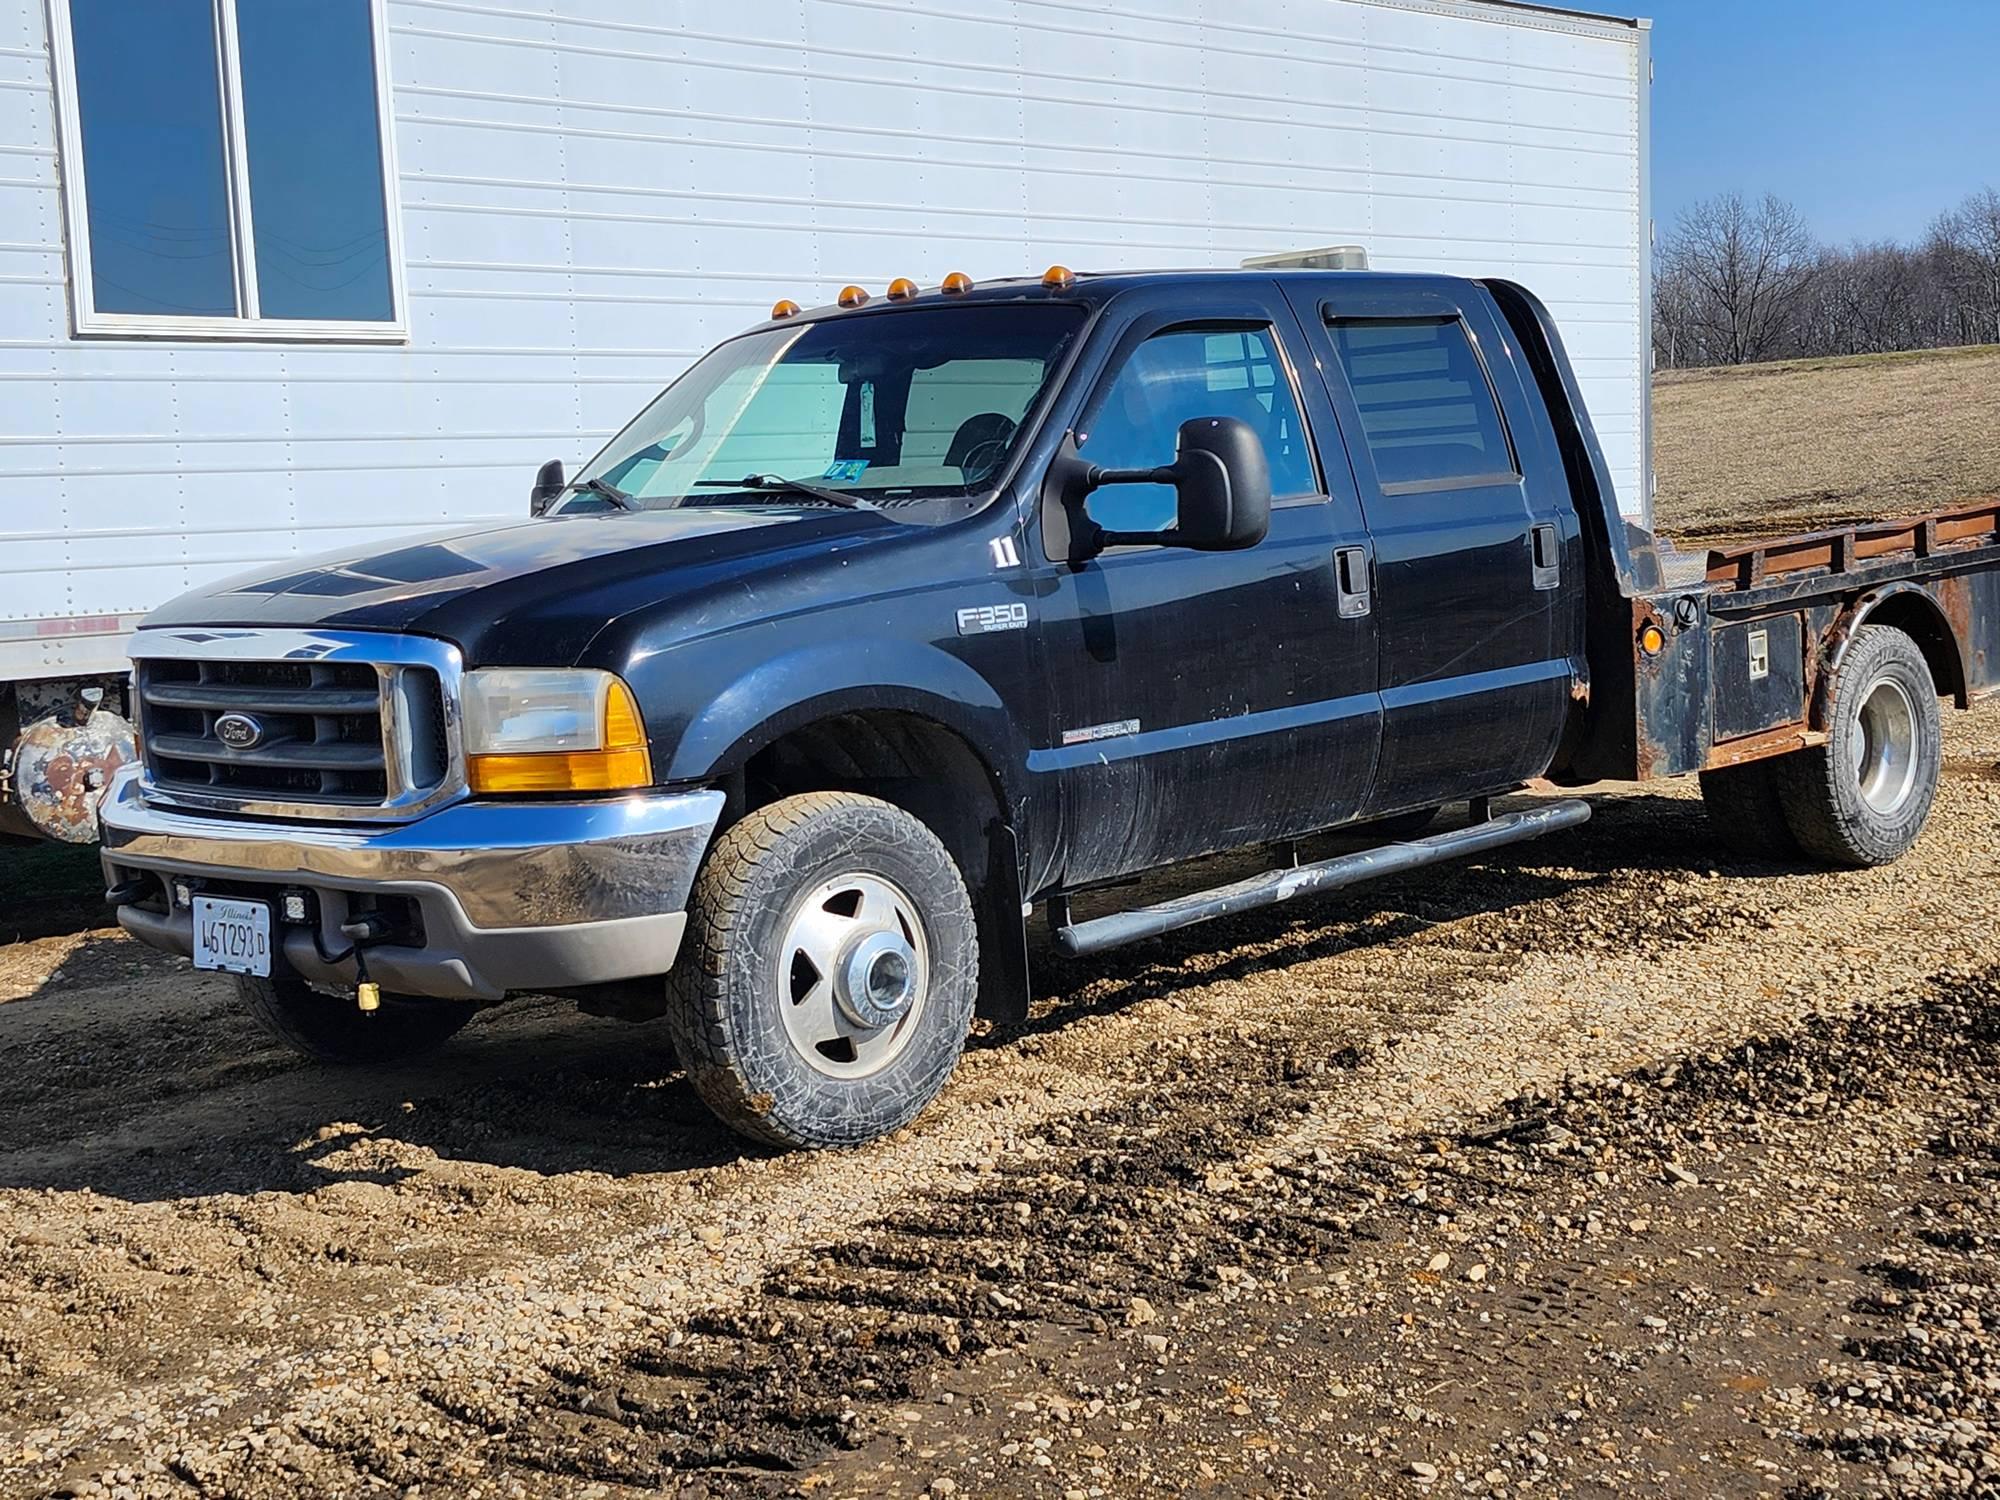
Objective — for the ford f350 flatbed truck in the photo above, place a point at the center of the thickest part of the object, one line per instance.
(891, 619)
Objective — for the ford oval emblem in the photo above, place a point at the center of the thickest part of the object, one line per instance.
(239, 731)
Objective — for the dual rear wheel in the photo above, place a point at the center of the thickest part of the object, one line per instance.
(1864, 796)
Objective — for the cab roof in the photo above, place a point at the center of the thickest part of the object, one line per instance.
(1094, 288)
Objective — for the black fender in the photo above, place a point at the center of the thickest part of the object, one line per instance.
(819, 681)
(823, 680)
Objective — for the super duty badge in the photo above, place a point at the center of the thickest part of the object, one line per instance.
(984, 619)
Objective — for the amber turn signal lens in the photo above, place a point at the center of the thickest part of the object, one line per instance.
(623, 764)
(1058, 276)
(785, 309)
(853, 296)
(1652, 640)
(902, 289)
(956, 283)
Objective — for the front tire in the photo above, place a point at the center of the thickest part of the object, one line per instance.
(329, 1029)
(1863, 797)
(827, 985)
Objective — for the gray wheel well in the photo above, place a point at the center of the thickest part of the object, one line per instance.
(934, 774)
(1918, 617)
(911, 762)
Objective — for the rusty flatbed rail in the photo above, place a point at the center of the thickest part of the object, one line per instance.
(1834, 552)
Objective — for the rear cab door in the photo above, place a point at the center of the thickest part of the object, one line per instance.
(1477, 563)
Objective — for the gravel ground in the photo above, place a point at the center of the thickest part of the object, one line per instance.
(1608, 1162)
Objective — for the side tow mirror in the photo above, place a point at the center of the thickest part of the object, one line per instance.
(549, 485)
(1222, 485)
(1223, 480)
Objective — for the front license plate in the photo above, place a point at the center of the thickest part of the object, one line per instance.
(232, 936)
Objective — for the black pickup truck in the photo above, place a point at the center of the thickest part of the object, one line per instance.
(891, 619)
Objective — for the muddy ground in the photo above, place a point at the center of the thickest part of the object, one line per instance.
(1607, 1164)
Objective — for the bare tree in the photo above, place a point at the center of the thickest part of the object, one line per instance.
(1735, 283)
(1968, 242)
(1747, 269)
(1677, 342)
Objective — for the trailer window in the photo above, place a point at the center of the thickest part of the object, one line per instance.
(226, 167)
(1427, 409)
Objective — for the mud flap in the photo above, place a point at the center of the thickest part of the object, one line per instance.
(1003, 930)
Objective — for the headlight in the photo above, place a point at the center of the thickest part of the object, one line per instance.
(552, 729)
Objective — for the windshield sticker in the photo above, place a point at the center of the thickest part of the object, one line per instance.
(846, 470)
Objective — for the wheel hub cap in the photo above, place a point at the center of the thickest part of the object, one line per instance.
(1887, 764)
(878, 983)
(854, 974)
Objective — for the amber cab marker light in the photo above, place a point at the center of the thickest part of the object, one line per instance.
(956, 284)
(785, 309)
(853, 296)
(1652, 640)
(1058, 277)
(902, 289)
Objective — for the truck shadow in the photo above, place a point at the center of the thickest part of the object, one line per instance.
(1632, 842)
(153, 1087)
(49, 890)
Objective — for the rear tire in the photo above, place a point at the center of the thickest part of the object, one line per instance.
(828, 980)
(1863, 797)
(1746, 813)
(329, 1029)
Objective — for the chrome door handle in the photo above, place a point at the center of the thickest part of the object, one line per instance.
(1545, 546)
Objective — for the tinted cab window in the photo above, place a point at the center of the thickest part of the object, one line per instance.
(1176, 377)
(1427, 412)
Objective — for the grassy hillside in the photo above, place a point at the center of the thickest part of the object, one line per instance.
(1812, 443)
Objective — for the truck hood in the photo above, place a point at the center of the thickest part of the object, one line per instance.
(533, 591)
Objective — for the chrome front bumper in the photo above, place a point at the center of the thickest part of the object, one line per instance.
(512, 895)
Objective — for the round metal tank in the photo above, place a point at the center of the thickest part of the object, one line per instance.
(60, 768)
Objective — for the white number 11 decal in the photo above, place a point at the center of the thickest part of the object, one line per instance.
(1004, 555)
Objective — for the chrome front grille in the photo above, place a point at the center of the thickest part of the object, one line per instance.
(317, 728)
(297, 723)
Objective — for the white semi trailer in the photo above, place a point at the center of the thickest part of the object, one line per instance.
(280, 279)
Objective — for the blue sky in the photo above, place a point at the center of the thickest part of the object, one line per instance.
(1873, 117)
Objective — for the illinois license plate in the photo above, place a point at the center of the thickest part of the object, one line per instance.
(232, 936)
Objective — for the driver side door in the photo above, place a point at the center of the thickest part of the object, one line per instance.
(1201, 701)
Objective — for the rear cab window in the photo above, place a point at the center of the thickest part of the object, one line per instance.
(1429, 416)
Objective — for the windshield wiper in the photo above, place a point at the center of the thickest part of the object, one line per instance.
(794, 486)
(605, 489)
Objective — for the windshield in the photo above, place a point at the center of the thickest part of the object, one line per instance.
(896, 407)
